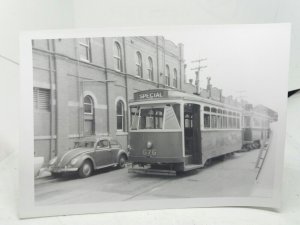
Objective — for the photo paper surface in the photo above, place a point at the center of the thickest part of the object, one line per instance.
(152, 118)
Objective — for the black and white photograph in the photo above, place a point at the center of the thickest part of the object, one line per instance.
(132, 119)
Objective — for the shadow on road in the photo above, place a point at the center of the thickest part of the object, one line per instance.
(74, 175)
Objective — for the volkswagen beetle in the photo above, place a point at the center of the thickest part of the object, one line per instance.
(89, 154)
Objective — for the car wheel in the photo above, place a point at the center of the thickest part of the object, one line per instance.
(86, 169)
(122, 161)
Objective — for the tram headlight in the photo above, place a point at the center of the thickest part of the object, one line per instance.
(149, 144)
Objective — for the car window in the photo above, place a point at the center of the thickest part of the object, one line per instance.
(114, 144)
(103, 144)
(84, 144)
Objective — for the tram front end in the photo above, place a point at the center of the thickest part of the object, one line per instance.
(155, 138)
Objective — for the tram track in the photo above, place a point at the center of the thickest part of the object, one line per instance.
(149, 189)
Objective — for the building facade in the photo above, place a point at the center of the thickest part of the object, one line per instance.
(82, 86)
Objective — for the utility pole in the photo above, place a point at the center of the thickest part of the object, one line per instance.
(197, 73)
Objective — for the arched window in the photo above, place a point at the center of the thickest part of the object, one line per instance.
(88, 105)
(118, 57)
(89, 116)
(120, 116)
(175, 79)
(150, 68)
(139, 65)
(167, 76)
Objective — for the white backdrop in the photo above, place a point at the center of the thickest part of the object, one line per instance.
(55, 14)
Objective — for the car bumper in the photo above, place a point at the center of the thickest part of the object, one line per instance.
(62, 169)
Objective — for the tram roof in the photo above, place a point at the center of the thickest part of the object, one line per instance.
(169, 94)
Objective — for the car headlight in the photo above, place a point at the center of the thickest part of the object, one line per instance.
(74, 161)
(52, 161)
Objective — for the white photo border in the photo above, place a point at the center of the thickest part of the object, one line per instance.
(27, 207)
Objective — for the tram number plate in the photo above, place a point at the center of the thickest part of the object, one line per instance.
(149, 152)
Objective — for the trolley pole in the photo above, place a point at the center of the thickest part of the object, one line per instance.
(197, 73)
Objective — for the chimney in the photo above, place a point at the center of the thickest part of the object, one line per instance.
(197, 82)
(208, 86)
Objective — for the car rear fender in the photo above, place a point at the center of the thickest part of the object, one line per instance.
(122, 152)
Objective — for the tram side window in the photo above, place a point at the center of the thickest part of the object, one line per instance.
(213, 118)
(234, 122)
(256, 122)
(238, 121)
(213, 121)
(151, 118)
(230, 122)
(176, 108)
(134, 117)
(171, 120)
(206, 117)
(219, 123)
(247, 122)
(224, 122)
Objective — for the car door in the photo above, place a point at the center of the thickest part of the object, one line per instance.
(103, 153)
(115, 148)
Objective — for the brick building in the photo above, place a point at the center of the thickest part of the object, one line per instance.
(82, 86)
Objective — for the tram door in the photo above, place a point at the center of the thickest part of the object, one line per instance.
(192, 133)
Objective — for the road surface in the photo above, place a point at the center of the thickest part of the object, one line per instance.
(234, 176)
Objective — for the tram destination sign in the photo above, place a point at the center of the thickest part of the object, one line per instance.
(150, 94)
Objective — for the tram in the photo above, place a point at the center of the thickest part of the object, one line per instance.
(172, 131)
(256, 128)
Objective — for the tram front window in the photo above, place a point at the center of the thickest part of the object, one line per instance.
(155, 117)
(151, 118)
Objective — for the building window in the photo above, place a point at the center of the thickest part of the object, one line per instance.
(120, 116)
(41, 99)
(89, 116)
(150, 68)
(167, 76)
(139, 65)
(175, 79)
(85, 49)
(118, 57)
(88, 105)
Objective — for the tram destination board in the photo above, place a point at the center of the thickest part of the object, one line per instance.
(150, 94)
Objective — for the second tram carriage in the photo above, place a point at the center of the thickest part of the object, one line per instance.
(172, 131)
(256, 126)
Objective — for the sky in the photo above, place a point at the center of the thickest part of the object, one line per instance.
(244, 61)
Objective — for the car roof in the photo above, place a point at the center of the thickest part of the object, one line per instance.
(95, 138)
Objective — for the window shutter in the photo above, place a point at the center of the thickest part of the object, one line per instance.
(44, 99)
(41, 98)
(35, 98)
